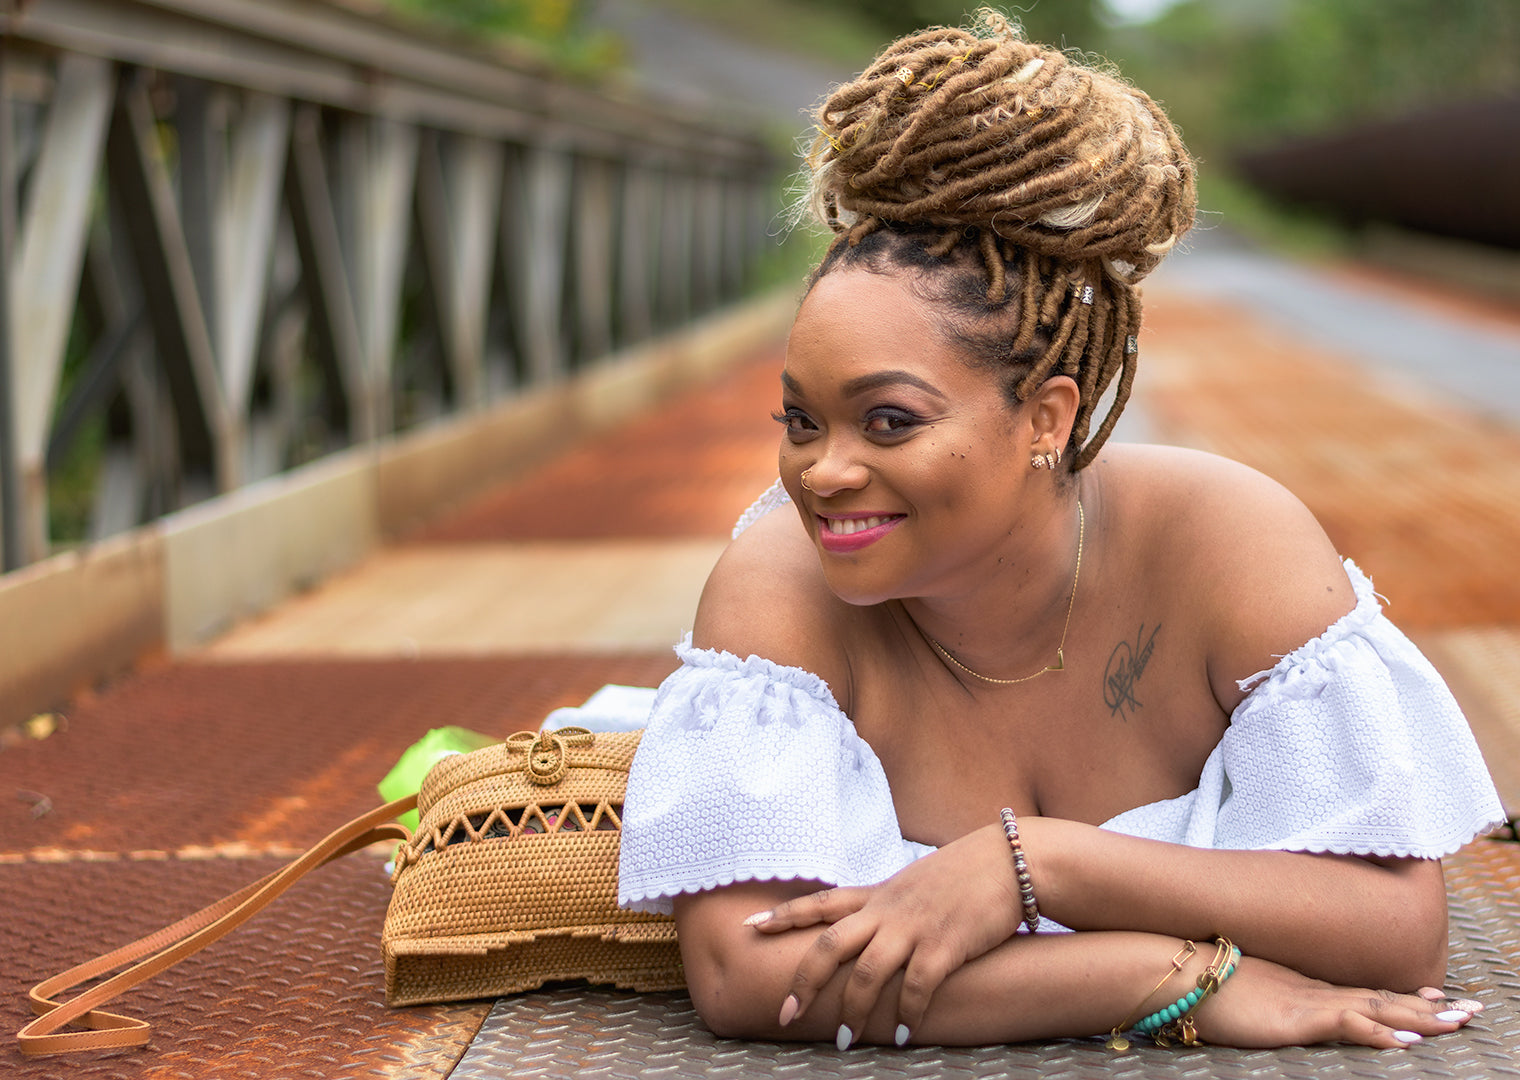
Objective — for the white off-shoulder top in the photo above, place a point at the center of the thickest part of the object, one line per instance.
(749, 770)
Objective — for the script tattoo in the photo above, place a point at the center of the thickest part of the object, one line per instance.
(1125, 666)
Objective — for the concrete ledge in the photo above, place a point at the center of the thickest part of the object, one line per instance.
(243, 552)
(176, 583)
(77, 618)
(424, 473)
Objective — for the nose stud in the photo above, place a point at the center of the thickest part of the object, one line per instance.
(805, 485)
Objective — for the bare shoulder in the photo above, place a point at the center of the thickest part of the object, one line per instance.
(767, 597)
(1252, 563)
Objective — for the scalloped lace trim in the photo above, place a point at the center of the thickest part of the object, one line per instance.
(772, 497)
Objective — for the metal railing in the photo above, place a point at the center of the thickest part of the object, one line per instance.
(241, 234)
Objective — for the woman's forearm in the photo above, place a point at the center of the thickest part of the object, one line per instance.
(1030, 987)
(1344, 919)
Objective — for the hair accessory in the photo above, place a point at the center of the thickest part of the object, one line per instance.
(904, 75)
(1060, 664)
(1116, 1040)
(1087, 294)
(1175, 1021)
(803, 478)
(1021, 868)
(1131, 346)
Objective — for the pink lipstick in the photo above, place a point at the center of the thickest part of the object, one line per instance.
(844, 534)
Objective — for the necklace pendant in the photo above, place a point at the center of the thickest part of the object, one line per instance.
(1060, 664)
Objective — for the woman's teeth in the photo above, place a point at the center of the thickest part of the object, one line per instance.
(846, 526)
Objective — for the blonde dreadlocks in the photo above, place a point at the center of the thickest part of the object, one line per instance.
(1057, 186)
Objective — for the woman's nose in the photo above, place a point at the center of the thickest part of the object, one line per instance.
(835, 472)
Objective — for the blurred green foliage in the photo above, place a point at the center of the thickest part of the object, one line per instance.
(555, 30)
(1240, 72)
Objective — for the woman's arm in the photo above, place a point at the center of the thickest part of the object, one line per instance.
(1351, 920)
(1028, 987)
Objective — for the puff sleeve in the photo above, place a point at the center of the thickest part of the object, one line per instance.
(749, 771)
(1351, 744)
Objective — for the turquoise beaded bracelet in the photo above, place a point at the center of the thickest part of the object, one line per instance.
(1170, 1014)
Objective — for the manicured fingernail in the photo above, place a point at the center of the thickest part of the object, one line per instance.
(845, 1037)
(789, 1009)
(1430, 993)
(757, 918)
(900, 1036)
(1467, 1005)
(1407, 1037)
(1453, 1016)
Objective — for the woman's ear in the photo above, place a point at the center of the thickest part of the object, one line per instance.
(1053, 410)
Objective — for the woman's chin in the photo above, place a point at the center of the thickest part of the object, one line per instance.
(856, 592)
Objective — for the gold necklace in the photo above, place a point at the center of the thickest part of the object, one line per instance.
(1060, 664)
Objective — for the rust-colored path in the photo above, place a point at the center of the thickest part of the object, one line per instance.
(185, 779)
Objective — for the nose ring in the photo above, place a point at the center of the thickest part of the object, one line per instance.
(805, 485)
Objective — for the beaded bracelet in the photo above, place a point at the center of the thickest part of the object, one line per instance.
(1021, 868)
(1175, 1021)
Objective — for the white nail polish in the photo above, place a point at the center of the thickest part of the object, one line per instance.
(845, 1037)
(1408, 1037)
(900, 1036)
(1453, 1016)
(757, 918)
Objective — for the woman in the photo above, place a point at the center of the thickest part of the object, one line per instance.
(999, 675)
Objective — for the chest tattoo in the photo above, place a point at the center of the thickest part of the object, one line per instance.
(1126, 664)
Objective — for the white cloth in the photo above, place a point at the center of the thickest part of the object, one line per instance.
(749, 771)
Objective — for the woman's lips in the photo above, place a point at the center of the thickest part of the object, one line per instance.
(843, 534)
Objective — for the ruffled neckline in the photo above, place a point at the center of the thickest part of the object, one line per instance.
(1356, 620)
(754, 666)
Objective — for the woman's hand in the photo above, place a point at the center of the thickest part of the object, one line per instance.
(925, 921)
(1266, 1005)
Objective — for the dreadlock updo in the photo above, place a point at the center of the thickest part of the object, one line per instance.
(1028, 195)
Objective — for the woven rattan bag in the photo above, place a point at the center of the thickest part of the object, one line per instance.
(511, 878)
(509, 882)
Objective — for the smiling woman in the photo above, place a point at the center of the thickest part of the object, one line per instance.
(986, 728)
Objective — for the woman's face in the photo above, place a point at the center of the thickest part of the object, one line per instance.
(918, 464)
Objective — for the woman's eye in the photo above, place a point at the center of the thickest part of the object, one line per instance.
(796, 422)
(889, 421)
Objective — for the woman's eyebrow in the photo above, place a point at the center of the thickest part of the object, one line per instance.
(878, 379)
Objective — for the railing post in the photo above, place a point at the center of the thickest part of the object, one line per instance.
(10, 471)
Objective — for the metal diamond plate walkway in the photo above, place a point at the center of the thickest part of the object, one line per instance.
(186, 778)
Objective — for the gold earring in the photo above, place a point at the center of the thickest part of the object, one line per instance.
(1038, 461)
(1058, 457)
(805, 485)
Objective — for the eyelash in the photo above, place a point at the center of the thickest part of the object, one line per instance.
(899, 421)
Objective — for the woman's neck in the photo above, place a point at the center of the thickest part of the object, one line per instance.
(1011, 622)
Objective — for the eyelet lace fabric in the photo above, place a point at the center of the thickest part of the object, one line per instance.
(749, 771)
(753, 774)
(1351, 744)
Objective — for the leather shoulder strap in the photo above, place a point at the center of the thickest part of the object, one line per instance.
(173, 943)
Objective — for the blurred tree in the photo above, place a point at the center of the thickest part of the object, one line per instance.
(555, 29)
(1241, 71)
(1067, 23)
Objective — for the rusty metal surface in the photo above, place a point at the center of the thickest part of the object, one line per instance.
(250, 758)
(297, 992)
(688, 469)
(590, 1033)
(1425, 497)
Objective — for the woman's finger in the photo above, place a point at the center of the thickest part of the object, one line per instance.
(926, 970)
(825, 906)
(835, 946)
(881, 959)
